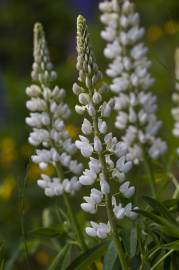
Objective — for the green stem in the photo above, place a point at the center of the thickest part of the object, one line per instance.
(108, 199)
(109, 208)
(71, 214)
(149, 170)
(74, 222)
(162, 259)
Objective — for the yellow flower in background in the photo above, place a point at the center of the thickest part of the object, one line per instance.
(72, 130)
(99, 265)
(7, 152)
(155, 33)
(42, 257)
(171, 27)
(7, 187)
(34, 172)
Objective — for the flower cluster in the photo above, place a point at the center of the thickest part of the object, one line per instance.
(109, 159)
(48, 113)
(175, 97)
(130, 79)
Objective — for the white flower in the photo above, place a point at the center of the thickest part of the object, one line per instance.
(89, 206)
(86, 127)
(96, 195)
(105, 110)
(159, 147)
(100, 230)
(88, 177)
(129, 211)
(118, 210)
(91, 109)
(127, 191)
(103, 149)
(80, 109)
(94, 165)
(130, 78)
(33, 91)
(47, 114)
(97, 144)
(123, 165)
(105, 188)
(77, 90)
(84, 98)
(102, 126)
(109, 161)
(97, 98)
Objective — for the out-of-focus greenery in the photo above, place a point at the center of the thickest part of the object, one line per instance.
(22, 208)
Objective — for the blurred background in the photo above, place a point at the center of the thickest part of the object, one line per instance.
(22, 203)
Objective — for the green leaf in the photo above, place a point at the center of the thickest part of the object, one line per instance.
(110, 257)
(161, 209)
(88, 257)
(167, 263)
(171, 203)
(172, 245)
(167, 227)
(10, 263)
(60, 260)
(20, 251)
(175, 260)
(130, 241)
(133, 242)
(52, 231)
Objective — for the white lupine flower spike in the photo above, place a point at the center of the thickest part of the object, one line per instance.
(48, 114)
(108, 161)
(175, 97)
(130, 79)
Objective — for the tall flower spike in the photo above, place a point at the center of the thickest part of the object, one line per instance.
(108, 158)
(130, 79)
(48, 114)
(175, 97)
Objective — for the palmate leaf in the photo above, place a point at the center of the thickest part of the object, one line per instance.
(87, 258)
(61, 260)
(160, 208)
(110, 257)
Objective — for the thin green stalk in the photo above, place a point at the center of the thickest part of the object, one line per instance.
(71, 214)
(74, 222)
(72, 217)
(109, 209)
(149, 170)
(22, 216)
(110, 214)
(162, 259)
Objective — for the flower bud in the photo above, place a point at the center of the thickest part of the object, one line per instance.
(97, 98)
(77, 89)
(97, 144)
(105, 110)
(84, 98)
(80, 109)
(86, 127)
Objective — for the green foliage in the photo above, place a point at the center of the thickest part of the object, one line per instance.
(153, 242)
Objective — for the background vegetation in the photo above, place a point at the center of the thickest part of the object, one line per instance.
(23, 207)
